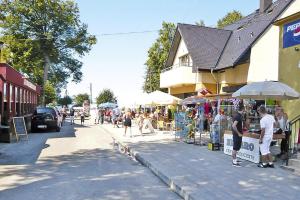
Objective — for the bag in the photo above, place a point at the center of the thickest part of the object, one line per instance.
(279, 131)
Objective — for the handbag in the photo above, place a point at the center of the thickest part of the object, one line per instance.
(279, 131)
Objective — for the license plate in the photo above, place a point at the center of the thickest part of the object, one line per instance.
(42, 126)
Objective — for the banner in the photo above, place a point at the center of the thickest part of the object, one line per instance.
(291, 34)
(249, 150)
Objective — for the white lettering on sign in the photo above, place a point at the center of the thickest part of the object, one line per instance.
(292, 27)
(29, 84)
(249, 150)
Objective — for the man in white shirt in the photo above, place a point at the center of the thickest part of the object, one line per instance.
(267, 125)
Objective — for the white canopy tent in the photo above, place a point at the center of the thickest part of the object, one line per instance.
(267, 90)
(157, 98)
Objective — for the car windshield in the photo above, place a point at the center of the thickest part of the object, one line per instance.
(46, 110)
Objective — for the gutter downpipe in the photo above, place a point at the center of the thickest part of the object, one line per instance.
(217, 82)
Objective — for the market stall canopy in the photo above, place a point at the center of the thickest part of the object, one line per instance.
(157, 98)
(161, 98)
(267, 90)
(107, 105)
(192, 100)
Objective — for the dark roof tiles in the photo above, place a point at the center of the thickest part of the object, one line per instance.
(223, 48)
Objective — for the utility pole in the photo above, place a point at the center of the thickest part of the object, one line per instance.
(91, 96)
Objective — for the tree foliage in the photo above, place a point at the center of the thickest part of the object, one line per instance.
(200, 23)
(106, 95)
(229, 18)
(80, 98)
(65, 101)
(157, 56)
(50, 94)
(37, 32)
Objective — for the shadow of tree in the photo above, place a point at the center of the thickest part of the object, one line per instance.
(27, 152)
(85, 174)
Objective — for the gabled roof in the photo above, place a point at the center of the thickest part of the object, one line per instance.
(223, 48)
(246, 31)
(204, 44)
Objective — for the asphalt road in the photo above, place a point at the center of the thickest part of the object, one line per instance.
(78, 163)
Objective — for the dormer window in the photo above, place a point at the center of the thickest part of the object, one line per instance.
(184, 60)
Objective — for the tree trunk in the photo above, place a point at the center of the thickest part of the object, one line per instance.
(46, 69)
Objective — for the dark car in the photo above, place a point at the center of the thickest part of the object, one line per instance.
(46, 118)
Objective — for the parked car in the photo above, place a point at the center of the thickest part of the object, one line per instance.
(46, 118)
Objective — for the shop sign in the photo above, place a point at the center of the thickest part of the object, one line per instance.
(291, 34)
(29, 84)
(249, 150)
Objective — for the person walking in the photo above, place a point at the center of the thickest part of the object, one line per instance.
(81, 117)
(127, 122)
(267, 125)
(72, 113)
(237, 135)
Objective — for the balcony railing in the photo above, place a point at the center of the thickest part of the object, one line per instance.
(177, 75)
(176, 66)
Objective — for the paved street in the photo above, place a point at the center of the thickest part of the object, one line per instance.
(72, 166)
(197, 173)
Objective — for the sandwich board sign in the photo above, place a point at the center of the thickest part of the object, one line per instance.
(20, 127)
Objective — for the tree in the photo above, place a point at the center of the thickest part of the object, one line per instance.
(80, 98)
(229, 18)
(65, 101)
(200, 23)
(50, 94)
(45, 39)
(106, 95)
(157, 57)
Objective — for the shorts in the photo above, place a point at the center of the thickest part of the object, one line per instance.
(264, 147)
(237, 142)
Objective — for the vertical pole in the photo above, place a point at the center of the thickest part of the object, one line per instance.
(91, 100)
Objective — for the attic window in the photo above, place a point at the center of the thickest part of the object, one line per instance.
(241, 27)
(270, 11)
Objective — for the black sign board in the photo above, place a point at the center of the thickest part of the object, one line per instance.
(20, 127)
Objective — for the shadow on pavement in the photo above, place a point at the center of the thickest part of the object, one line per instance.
(27, 152)
(85, 174)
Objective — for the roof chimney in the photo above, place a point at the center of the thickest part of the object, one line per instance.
(264, 5)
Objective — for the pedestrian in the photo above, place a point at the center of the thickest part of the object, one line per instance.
(267, 123)
(237, 135)
(81, 117)
(72, 112)
(127, 122)
(141, 122)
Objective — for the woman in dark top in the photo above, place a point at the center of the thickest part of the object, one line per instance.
(127, 122)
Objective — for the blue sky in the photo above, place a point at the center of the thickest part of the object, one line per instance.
(117, 62)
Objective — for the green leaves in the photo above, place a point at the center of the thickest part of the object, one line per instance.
(80, 98)
(32, 28)
(157, 56)
(106, 95)
(229, 18)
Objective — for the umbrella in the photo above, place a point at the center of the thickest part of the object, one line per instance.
(161, 98)
(267, 90)
(192, 100)
(107, 105)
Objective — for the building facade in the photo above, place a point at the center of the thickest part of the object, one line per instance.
(223, 60)
(18, 96)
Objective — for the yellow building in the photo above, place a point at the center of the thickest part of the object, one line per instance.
(223, 60)
(289, 56)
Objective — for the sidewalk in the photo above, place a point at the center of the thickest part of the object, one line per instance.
(196, 173)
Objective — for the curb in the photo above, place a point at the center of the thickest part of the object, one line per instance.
(164, 178)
